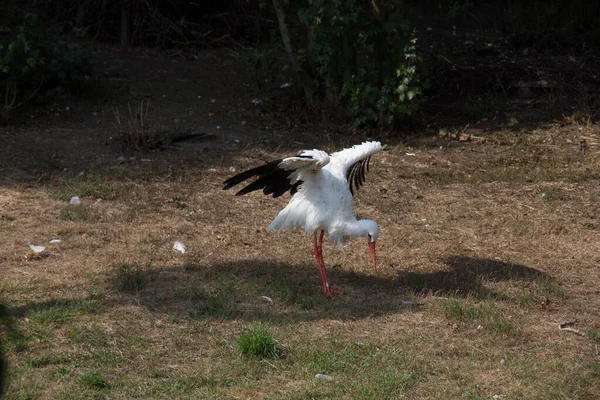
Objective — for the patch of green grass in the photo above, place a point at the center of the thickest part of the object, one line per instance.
(106, 357)
(129, 277)
(57, 311)
(73, 212)
(258, 342)
(83, 334)
(47, 359)
(335, 356)
(357, 370)
(89, 186)
(539, 292)
(43, 318)
(459, 310)
(485, 314)
(94, 380)
(160, 374)
(415, 282)
(593, 335)
(290, 293)
(217, 303)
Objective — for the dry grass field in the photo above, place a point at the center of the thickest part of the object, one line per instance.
(486, 246)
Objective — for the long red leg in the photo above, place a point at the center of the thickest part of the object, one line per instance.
(318, 252)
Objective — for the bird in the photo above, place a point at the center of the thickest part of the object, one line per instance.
(322, 186)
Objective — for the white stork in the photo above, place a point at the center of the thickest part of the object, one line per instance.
(322, 187)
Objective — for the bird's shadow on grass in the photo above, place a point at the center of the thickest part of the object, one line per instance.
(265, 289)
(469, 276)
(262, 289)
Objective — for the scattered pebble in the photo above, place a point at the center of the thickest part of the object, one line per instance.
(286, 85)
(121, 159)
(503, 361)
(231, 169)
(37, 249)
(479, 327)
(212, 170)
(323, 376)
(237, 140)
(468, 42)
(411, 154)
(267, 298)
(75, 201)
(55, 241)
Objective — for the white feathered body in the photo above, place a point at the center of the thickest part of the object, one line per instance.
(323, 201)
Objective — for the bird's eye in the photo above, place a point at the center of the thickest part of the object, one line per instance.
(369, 237)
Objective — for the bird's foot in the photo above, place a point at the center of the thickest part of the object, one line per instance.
(331, 292)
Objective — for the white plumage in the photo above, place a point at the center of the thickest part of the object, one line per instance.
(322, 186)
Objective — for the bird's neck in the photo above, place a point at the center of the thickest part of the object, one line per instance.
(357, 227)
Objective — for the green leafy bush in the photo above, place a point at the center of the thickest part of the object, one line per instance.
(36, 62)
(362, 54)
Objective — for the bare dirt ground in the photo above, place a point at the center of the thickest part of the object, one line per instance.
(488, 242)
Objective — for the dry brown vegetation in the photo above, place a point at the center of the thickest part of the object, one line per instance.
(486, 246)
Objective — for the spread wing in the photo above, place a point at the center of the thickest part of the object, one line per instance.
(353, 163)
(279, 176)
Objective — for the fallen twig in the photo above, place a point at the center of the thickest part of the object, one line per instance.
(568, 323)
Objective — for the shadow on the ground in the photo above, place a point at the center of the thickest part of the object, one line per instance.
(283, 292)
(468, 276)
(263, 289)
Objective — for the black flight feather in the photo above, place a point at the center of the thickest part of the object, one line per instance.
(271, 179)
(356, 174)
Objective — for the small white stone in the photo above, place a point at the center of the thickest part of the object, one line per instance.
(75, 201)
(178, 246)
(37, 249)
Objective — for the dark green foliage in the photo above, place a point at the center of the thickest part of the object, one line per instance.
(36, 62)
(362, 54)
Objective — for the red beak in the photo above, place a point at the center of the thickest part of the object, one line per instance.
(372, 250)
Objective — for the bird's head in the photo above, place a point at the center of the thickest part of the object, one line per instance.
(370, 229)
